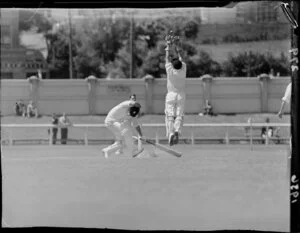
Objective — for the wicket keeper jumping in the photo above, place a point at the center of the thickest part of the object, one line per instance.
(176, 85)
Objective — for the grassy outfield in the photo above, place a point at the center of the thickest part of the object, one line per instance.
(208, 188)
(98, 133)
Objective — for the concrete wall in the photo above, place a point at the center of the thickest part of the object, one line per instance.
(97, 96)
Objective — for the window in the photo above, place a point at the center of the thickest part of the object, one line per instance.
(6, 75)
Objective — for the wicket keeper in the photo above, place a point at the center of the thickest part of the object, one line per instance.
(176, 84)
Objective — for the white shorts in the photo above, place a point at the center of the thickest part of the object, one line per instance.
(174, 104)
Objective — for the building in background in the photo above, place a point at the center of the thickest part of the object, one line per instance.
(17, 62)
(244, 12)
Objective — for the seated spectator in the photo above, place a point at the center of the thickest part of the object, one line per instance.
(39, 74)
(54, 121)
(267, 132)
(208, 109)
(64, 122)
(31, 110)
(20, 108)
(133, 97)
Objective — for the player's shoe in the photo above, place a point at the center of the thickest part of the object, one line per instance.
(105, 154)
(176, 138)
(137, 152)
(119, 152)
(171, 139)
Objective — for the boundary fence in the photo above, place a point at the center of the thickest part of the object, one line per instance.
(226, 139)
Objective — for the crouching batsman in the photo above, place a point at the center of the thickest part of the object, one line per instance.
(122, 122)
(176, 84)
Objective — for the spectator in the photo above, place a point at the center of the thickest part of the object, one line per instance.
(208, 108)
(272, 73)
(133, 97)
(267, 132)
(54, 129)
(20, 108)
(39, 74)
(64, 122)
(32, 110)
(17, 109)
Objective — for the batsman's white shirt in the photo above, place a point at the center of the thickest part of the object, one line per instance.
(120, 113)
(120, 123)
(287, 95)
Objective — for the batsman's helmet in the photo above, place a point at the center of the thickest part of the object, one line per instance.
(135, 109)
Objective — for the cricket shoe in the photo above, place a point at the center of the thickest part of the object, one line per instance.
(105, 154)
(138, 152)
(119, 152)
(171, 139)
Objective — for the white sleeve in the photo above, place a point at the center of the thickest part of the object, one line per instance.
(287, 95)
(184, 66)
(168, 67)
(128, 103)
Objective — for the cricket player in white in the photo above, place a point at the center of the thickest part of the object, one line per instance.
(121, 121)
(286, 99)
(175, 98)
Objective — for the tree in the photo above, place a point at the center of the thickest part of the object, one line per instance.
(29, 19)
(249, 64)
(200, 64)
(191, 29)
(58, 54)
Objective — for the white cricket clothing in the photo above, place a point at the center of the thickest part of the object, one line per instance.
(287, 95)
(176, 78)
(174, 104)
(120, 113)
(175, 98)
(121, 124)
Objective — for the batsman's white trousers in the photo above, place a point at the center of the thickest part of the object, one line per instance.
(123, 132)
(174, 111)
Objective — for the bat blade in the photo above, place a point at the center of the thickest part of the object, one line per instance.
(163, 148)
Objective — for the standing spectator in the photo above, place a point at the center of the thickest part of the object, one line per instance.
(20, 108)
(17, 109)
(54, 121)
(39, 74)
(32, 110)
(64, 122)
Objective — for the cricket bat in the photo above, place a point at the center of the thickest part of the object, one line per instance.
(161, 147)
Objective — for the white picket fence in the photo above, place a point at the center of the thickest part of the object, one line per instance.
(251, 127)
